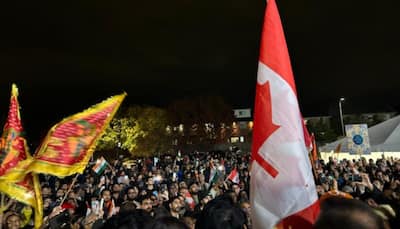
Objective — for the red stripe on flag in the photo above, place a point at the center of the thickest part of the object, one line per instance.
(267, 166)
(263, 125)
(274, 53)
(302, 219)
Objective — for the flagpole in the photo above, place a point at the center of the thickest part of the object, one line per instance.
(69, 189)
(2, 209)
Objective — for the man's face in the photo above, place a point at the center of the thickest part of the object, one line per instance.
(246, 207)
(175, 205)
(147, 205)
(236, 189)
(13, 222)
(46, 192)
(194, 188)
(183, 191)
(132, 193)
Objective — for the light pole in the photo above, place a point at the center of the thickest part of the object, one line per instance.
(341, 114)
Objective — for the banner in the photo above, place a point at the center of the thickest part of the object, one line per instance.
(358, 140)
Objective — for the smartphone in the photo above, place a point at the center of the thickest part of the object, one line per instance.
(95, 205)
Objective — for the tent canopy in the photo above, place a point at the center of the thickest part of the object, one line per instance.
(383, 137)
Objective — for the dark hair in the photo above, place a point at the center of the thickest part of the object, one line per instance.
(221, 213)
(136, 219)
(347, 213)
(141, 198)
(168, 223)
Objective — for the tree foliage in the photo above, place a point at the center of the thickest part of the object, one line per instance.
(202, 119)
(139, 130)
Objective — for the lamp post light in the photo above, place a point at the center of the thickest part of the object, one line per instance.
(341, 114)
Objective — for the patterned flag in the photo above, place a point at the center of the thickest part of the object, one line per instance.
(358, 140)
(13, 150)
(282, 185)
(13, 144)
(69, 144)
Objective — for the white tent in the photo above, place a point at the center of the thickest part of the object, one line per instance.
(383, 137)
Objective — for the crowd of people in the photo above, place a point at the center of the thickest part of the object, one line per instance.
(192, 191)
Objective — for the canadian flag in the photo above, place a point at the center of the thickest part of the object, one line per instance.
(282, 185)
(234, 176)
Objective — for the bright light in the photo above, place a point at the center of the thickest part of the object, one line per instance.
(157, 178)
(251, 124)
(221, 168)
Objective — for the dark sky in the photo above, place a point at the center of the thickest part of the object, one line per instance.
(65, 56)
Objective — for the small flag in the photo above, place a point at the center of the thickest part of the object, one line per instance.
(100, 166)
(234, 176)
(282, 187)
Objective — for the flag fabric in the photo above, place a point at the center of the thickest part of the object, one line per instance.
(282, 187)
(234, 176)
(100, 166)
(13, 144)
(338, 149)
(307, 138)
(314, 152)
(213, 172)
(13, 150)
(358, 140)
(69, 145)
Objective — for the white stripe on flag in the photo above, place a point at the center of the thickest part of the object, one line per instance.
(100, 165)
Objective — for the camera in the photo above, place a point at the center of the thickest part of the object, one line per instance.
(355, 177)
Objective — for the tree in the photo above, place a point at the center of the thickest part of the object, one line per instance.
(139, 130)
(202, 119)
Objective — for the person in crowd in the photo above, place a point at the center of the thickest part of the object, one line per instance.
(168, 223)
(175, 206)
(146, 203)
(180, 186)
(221, 213)
(131, 195)
(12, 220)
(347, 214)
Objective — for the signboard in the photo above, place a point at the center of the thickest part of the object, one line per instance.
(358, 140)
(242, 113)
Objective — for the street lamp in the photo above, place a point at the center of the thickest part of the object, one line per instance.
(341, 114)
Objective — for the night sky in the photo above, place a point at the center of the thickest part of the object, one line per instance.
(67, 56)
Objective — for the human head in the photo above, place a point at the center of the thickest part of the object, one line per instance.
(221, 213)
(175, 205)
(146, 203)
(168, 223)
(106, 195)
(132, 193)
(12, 220)
(347, 213)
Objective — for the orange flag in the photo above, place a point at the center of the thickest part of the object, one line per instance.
(314, 149)
(13, 150)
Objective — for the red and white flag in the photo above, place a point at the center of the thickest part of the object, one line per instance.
(282, 185)
(234, 176)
